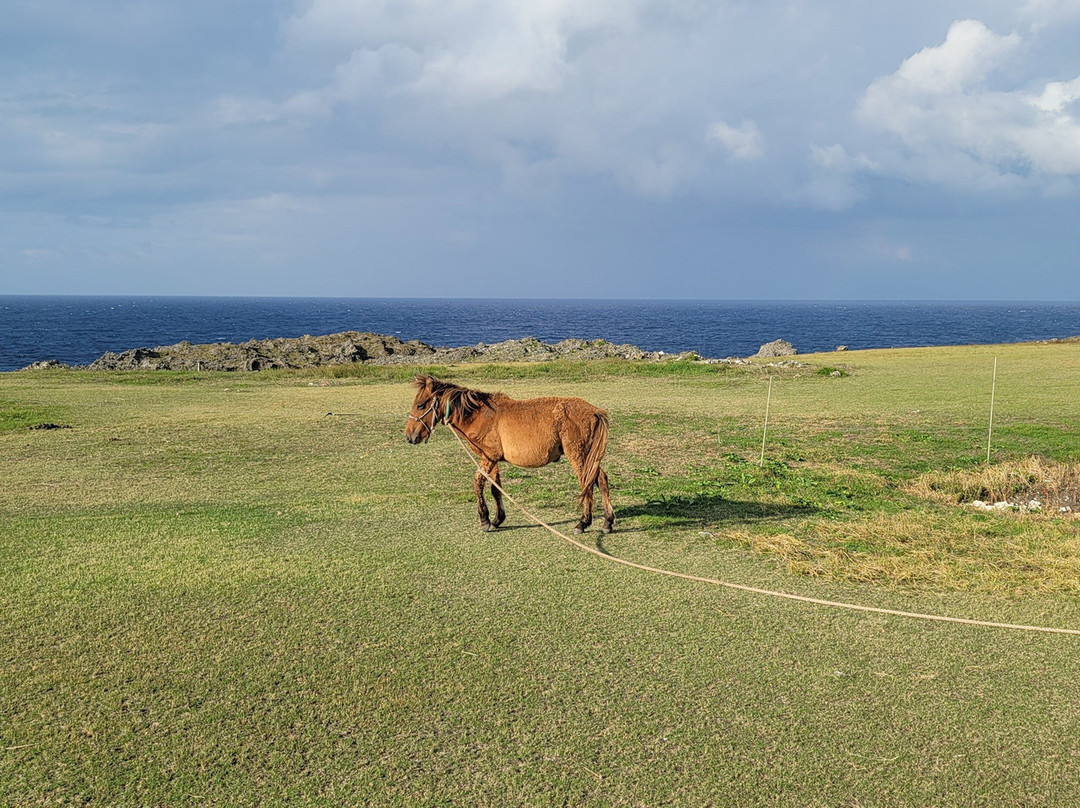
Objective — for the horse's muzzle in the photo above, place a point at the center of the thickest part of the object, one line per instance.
(417, 436)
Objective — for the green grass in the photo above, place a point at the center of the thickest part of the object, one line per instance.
(215, 593)
(15, 415)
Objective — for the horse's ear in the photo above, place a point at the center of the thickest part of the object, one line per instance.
(423, 382)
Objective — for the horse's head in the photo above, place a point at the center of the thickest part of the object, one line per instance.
(425, 411)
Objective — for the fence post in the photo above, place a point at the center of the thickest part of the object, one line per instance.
(990, 430)
(765, 431)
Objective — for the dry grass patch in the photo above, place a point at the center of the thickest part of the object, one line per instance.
(1031, 485)
(927, 551)
(898, 549)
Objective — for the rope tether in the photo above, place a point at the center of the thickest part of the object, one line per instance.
(754, 589)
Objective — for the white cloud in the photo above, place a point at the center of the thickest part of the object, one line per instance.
(1058, 95)
(470, 51)
(539, 89)
(836, 157)
(546, 90)
(959, 129)
(969, 53)
(1042, 13)
(915, 100)
(543, 89)
(743, 143)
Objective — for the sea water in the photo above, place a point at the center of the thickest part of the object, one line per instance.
(78, 330)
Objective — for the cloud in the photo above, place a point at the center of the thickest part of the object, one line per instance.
(468, 51)
(1058, 95)
(636, 93)
(935, 90)
(835, 157)
(390, 133)
(743, 143)
(1042, 13)
(666, 98)
(835, 176)
(957, 127)
(969, 53)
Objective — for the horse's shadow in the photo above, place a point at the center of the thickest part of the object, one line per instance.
(683, 511)
(508, 526)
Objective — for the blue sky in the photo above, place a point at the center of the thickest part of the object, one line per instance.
(833, 149)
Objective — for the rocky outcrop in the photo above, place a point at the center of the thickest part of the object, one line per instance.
(46, 364)
(353, 346)
(778, 347)
(300, 352)
(378, 349)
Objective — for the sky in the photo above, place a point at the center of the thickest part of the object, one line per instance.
(664, 149)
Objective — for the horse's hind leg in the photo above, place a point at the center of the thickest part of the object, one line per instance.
(587, 506)
(585, 498)
(609, 512)
(586, 501)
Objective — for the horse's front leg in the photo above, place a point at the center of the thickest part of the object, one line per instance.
(490, 472)
(481, 504)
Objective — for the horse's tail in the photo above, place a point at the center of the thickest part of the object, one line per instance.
(597, 446)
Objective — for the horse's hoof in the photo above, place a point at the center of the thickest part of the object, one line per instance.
(606, 529)
(578, 530)
(486, 527)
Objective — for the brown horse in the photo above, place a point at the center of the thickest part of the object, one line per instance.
(530, 434)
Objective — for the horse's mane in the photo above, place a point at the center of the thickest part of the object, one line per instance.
(463, 401)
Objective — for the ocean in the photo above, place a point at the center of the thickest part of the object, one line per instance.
(77, 330)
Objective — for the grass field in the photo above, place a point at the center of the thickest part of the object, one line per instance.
(215, 593)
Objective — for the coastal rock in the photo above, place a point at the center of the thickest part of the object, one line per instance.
(46, 365)
(300, 352)
(353, 347)
(778, 347)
